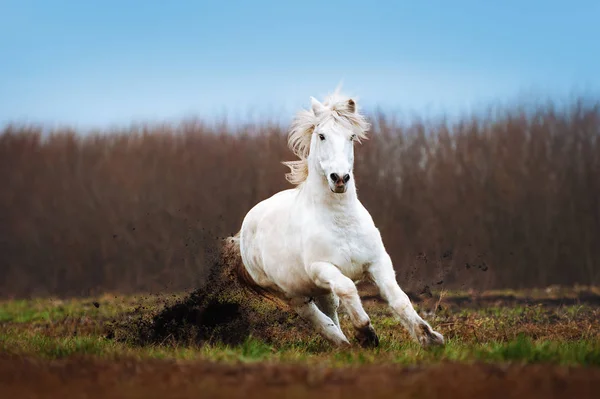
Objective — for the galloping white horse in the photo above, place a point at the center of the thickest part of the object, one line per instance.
(308, 245)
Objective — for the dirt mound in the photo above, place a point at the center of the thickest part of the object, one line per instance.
(198, 318)
(224, 310)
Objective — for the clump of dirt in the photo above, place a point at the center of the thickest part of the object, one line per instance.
(222, 311)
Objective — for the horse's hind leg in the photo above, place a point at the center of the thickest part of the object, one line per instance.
(327, 276)
(329, 305)
(308, 310)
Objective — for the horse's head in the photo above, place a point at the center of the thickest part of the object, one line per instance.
(323, 138)
(332, 144)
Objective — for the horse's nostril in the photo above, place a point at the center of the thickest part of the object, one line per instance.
(346, 178)
(334, 177)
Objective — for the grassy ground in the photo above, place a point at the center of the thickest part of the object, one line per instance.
(555, 326)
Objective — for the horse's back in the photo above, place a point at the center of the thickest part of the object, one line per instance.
(276, 205)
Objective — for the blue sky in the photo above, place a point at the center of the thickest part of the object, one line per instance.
(97, 63)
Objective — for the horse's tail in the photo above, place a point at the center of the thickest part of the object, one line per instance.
(235, 268)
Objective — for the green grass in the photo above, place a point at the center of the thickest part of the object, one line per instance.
(568, 335)
(522, 350)
(51, 309)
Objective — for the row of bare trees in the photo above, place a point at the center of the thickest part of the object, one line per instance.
(506, 200)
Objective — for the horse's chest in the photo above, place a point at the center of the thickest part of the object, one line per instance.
(343, 239)
(360, 258)
(351, 251)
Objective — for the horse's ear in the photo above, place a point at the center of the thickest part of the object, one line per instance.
(316, 106)
(351, 106)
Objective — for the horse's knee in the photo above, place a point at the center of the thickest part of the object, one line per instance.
(344, 288)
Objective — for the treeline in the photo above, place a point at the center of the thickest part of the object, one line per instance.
(511, 199)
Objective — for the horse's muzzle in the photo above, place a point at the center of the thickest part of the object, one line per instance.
(339, 189)
(339, 183)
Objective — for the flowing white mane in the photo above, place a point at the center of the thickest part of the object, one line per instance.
(341, 110)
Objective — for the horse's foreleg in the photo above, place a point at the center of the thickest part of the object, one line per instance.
(308, 310)
(325, 275)
(329, 305)
(384, 277)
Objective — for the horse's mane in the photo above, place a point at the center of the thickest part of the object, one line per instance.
(339, 108)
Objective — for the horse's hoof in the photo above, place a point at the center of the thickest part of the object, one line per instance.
(344, 345)
(367, 337)
(427, 337)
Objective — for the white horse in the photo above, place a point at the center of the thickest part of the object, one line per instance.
(308, 245)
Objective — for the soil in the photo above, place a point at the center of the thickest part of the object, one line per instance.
(130, 378)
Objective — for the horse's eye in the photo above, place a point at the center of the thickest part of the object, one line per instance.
(353, 137)
(322, 137)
